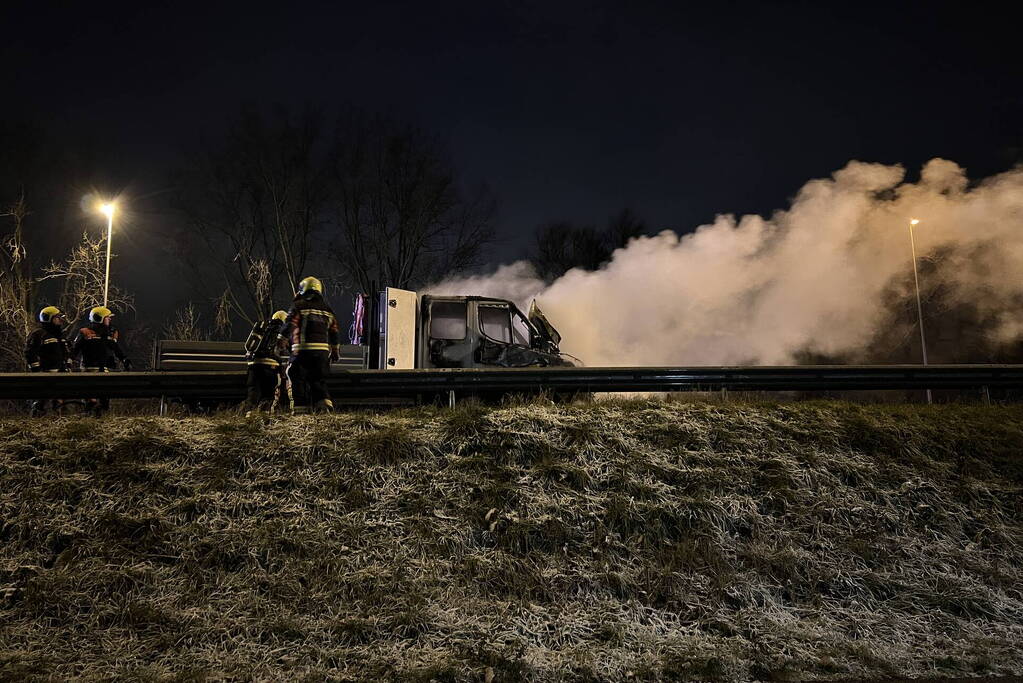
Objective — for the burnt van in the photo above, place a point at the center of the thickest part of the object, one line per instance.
(402, 330)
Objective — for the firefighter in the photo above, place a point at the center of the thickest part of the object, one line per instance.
(97, 349)
(47, 351)
(262, 351)
(312, 331)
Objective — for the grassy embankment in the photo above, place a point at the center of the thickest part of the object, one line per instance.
(602, 541)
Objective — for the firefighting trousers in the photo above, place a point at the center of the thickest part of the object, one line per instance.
(39, 406)
(261, 385)
(308, 372)
(98, 406)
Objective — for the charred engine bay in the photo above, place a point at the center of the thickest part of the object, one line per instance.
(602, 541)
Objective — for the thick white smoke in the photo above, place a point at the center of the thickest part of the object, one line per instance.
(811, 278)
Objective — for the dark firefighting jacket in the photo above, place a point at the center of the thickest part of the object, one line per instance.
(312, 326)
(97, 346)
(263, 344)
(46, 348)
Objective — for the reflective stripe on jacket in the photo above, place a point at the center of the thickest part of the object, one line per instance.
(312, 326)
(46, 348)
(96, 345)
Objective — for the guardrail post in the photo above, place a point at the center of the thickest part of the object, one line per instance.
(985, 392)
(451, 398)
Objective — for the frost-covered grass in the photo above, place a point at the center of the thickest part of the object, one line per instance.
(611, 540)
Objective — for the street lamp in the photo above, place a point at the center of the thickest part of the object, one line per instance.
(108, 209)
(919, 308)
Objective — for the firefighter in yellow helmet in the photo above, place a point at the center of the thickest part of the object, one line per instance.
(97, 348)
(46, 350)
(312, 331)
(263, 353)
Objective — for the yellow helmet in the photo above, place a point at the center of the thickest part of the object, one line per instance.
(98, 313)
(49, 313)
(280, 315)
(309, 285)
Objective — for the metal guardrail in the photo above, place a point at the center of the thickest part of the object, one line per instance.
(406, 383)
(177, 355)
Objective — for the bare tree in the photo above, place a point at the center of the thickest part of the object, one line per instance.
(186, 325)
(561, 246)
(252, 205)
(81, 277)
(16, 289)
(401, 217)
(622, 227)
(79, 280)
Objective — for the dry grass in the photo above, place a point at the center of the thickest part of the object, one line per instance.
(606, 541)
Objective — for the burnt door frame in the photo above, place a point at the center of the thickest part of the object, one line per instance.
(447, 353)
(496, 353)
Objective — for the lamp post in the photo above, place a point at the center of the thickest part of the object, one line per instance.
(108, 209)
(919, 308)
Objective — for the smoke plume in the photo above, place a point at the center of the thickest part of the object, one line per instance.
(818, 277)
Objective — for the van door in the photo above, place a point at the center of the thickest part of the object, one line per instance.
(399, 313)
(448, 340)
(509, 340)
(548, 338)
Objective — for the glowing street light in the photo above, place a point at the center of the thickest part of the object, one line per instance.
(108, 209)
(919, 308)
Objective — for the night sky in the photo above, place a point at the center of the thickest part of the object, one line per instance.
(567, 110)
